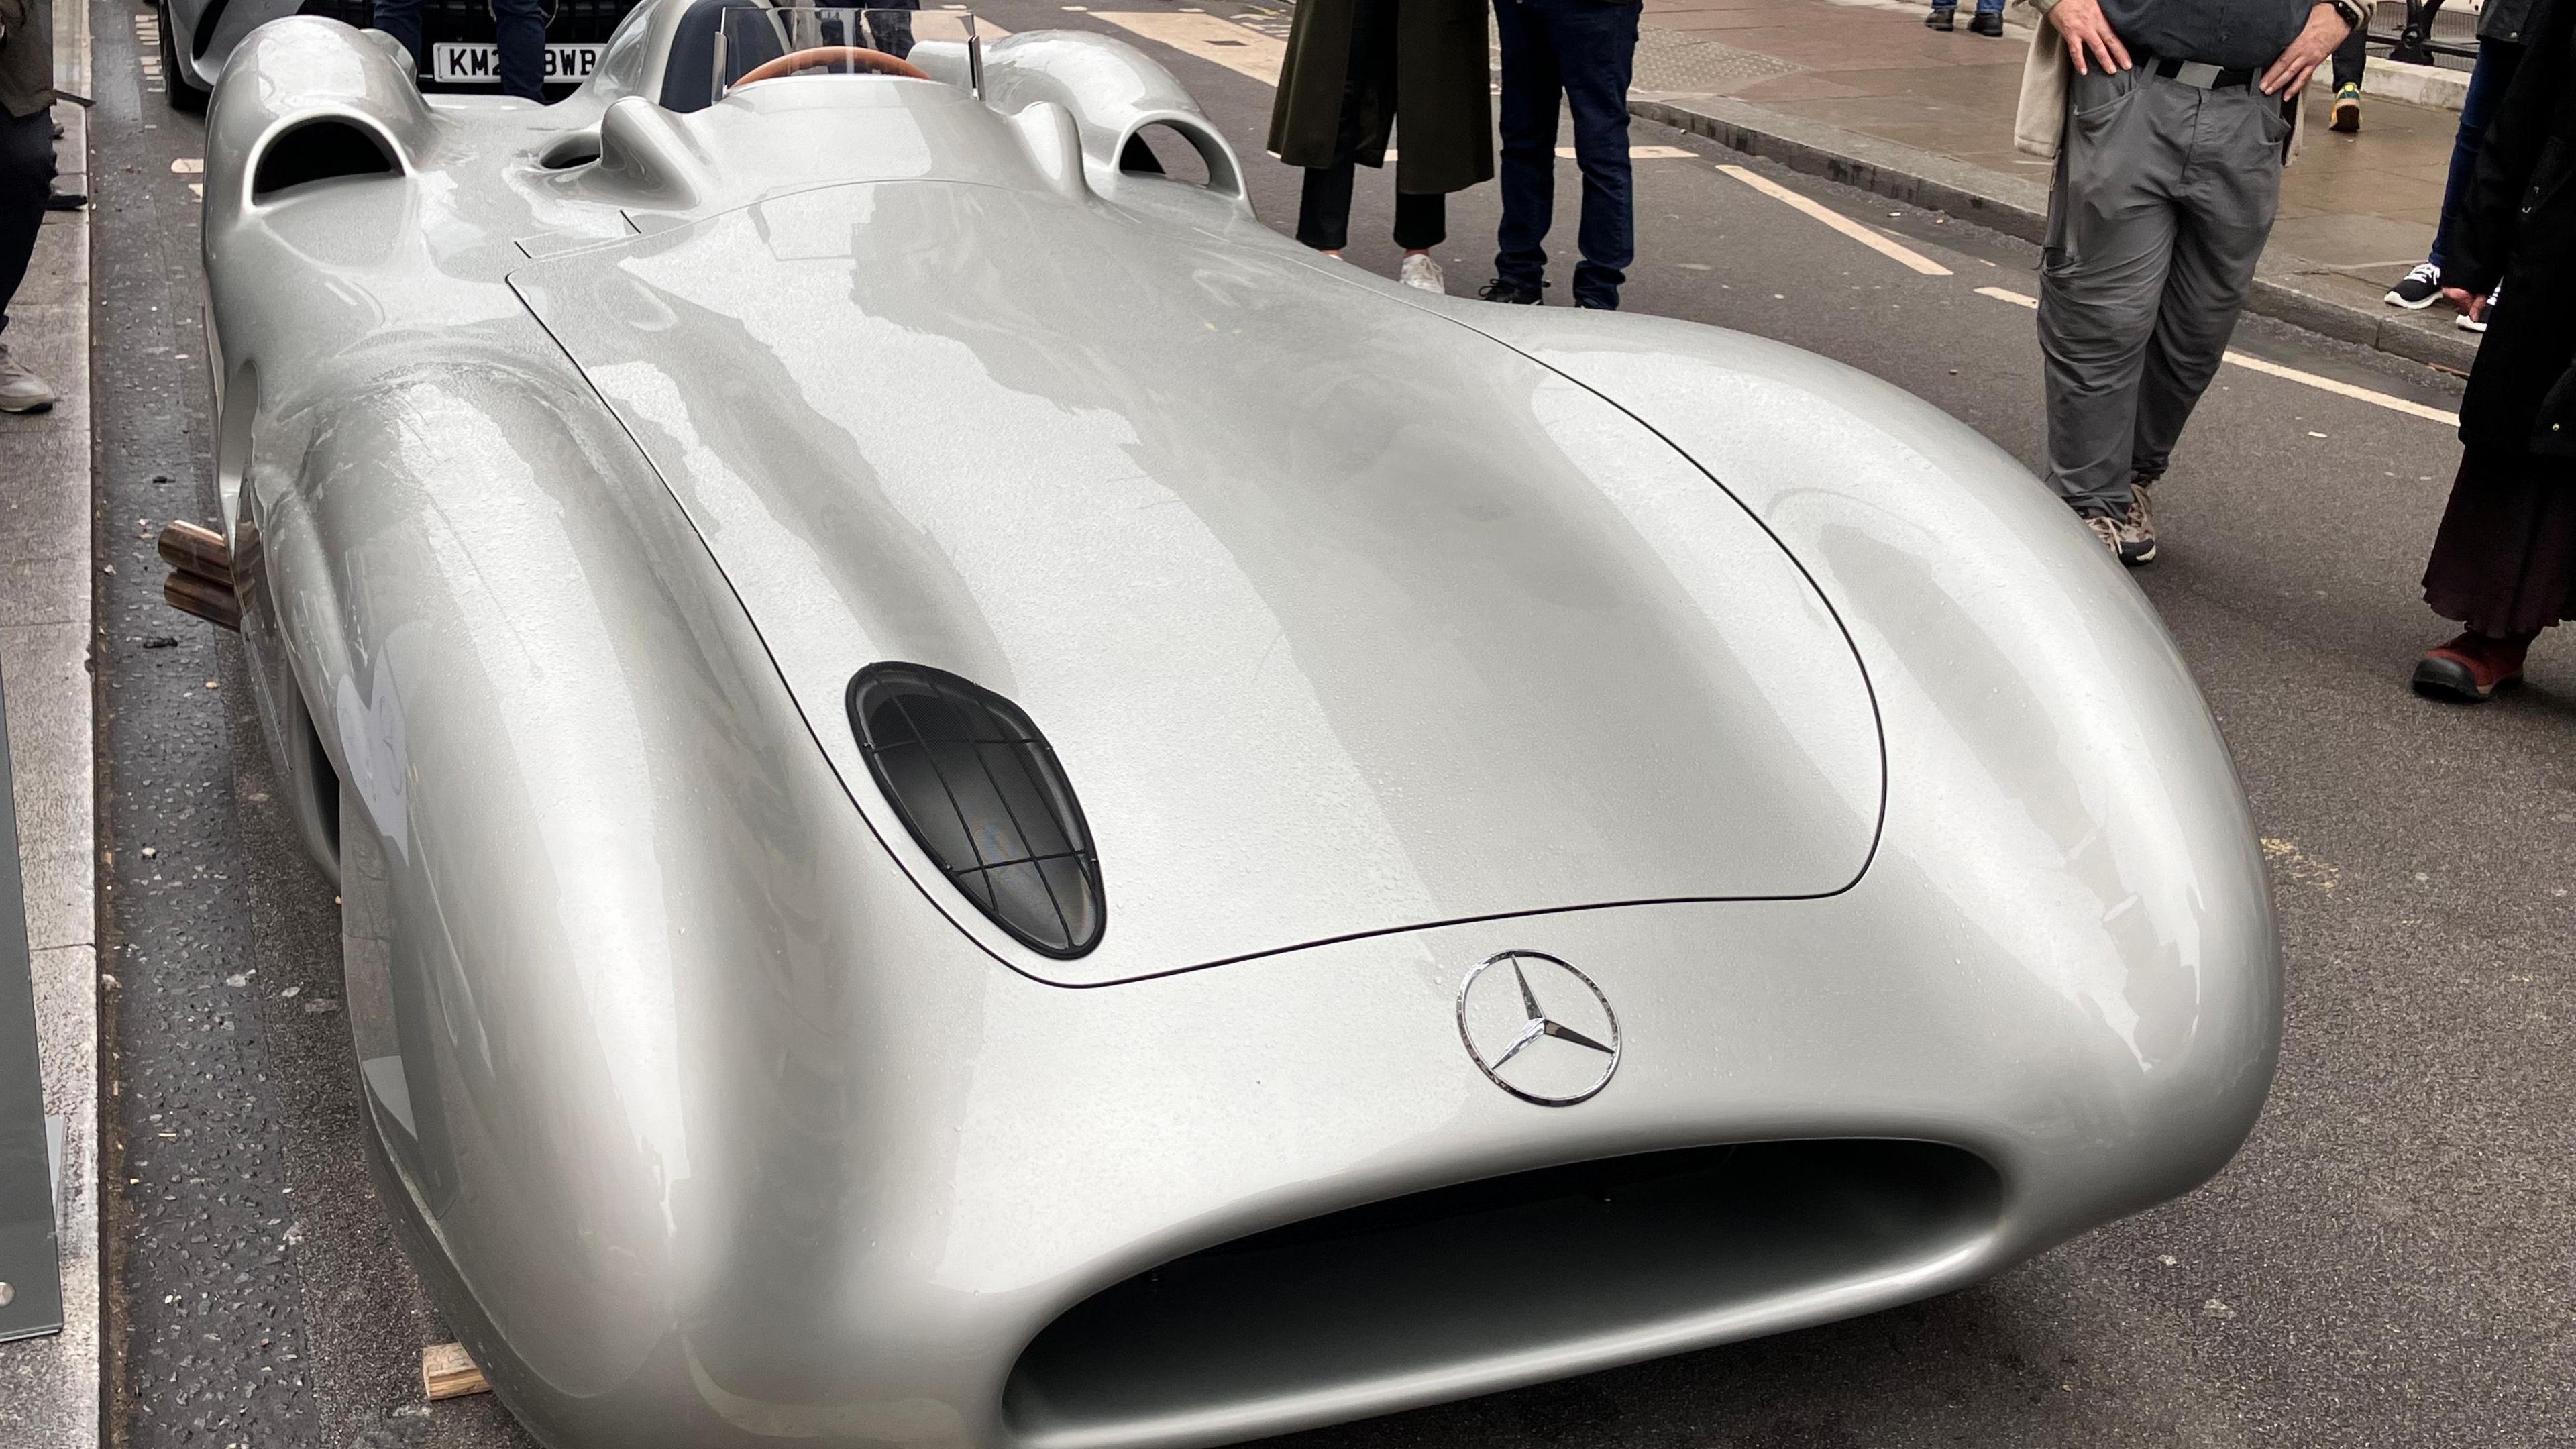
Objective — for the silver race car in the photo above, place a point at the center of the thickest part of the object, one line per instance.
(981, 804)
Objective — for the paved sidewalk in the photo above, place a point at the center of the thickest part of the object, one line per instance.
(1860, 90)
(49, 1387)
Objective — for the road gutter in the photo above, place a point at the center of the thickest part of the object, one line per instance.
(50, 1387)
(2292, 289)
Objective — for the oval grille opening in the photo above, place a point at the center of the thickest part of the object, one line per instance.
(1501, 1281)
(983, 795)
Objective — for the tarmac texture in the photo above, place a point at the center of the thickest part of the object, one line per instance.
(2385, 1264)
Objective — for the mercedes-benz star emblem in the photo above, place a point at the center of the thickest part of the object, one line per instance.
(1539, 1028)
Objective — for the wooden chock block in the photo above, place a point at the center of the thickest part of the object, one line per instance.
(448, 1372)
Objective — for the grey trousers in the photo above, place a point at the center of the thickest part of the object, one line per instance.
(2164, 196)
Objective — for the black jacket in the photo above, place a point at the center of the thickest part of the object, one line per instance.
(2518, 225)
(2505, 20)
(1443, 85)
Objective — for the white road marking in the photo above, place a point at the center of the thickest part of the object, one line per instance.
(1210, 38)
(188, 166)
(197, 189)
(1839, 222)
(2270, 368)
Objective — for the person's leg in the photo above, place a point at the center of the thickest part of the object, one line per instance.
(1527, 121)
(2352, 58)
(521, 26)
(26, 175)
(2349, 60)
(1944, 16)
(2227, 206)
(401, 20)
(2488, 81)
(1421, 220)
(1990, 18)
(2102, 272)
(1324, 208)
(1596, 53)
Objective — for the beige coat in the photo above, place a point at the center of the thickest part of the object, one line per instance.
(2040, 121)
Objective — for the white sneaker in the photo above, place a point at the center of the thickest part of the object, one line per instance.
(21, 391)
(2464, 324)
(1421, 271)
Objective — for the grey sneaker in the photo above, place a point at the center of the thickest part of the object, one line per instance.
(2138, 525)
(1424, 273)
(2105, 528)
(2121, 537)
(21, 391)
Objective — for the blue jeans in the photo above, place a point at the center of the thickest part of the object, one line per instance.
(521, 32)
(1984, 7)
(2493, 76)
(1579, 54)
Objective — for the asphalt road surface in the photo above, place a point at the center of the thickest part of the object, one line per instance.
(2387, 1263)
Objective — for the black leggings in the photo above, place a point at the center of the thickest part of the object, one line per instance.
(1368, 93)
(1324, 213)
(26, 175)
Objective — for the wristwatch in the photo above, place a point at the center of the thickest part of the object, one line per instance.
(2354, 13)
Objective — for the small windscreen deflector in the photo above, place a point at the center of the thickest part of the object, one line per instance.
(981, 792)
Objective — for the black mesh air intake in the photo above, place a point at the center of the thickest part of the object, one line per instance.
(983, 795)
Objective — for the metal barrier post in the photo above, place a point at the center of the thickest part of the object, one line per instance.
(31, 1282)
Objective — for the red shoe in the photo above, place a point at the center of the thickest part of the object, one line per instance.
(2471, 667)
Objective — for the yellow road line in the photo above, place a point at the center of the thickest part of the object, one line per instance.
(1839, 222)
(2270, 368)
(1219, 41)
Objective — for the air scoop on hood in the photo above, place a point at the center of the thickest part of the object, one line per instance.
(1341, 618)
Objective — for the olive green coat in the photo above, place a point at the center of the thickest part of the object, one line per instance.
(1443, 85)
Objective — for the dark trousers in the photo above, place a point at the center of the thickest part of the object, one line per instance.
(2352, 57)
(521, 32)
(26, 174)
(1324, 213)
(1583, 51)
(1368, 92)
(2493, 76)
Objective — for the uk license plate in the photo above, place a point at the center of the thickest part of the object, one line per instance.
(456, 63)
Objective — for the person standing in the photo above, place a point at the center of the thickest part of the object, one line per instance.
(2502, 26)
(1989, 19)
(2170, 121)
(1352, 68)
(2504, 562)
(26, 173)
(519, 28)
(1580, 55)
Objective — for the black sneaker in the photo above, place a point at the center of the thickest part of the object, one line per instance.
(1517, 293)
(1943, 17)
(2416, 290)
(1988, 22)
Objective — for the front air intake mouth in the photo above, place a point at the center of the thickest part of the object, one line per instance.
(984, 797)
(1487, 1284)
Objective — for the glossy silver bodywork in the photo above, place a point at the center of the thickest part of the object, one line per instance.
(1380, 634)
